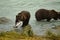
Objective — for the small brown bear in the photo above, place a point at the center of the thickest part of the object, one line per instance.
(23, 16)
(22, 23)
(42, 14)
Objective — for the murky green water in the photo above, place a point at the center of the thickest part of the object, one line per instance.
(9, 9)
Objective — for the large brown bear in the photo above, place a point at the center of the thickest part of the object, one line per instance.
(23, 16)
(46, 14)
(58, 15)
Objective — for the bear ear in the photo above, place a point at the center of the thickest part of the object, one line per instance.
(19, 13)
(53, 10)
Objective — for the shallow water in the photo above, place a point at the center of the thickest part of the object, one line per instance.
(9, 9)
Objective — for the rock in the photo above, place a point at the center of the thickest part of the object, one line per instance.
(57, 27)
(4, 20)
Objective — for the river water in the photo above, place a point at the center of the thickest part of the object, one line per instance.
(10, 8)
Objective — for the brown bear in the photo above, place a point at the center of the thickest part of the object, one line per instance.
(58, 15)
(23, 16)
(46, 14)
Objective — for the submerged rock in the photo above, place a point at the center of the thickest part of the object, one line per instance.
(56, 27)
(4, 20)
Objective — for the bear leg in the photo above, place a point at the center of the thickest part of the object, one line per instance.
(38, 19)
(48, 19)
(55, 18)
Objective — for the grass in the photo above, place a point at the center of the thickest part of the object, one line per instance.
(12, 35)
(52, 36)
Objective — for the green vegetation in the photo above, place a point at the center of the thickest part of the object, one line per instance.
(13, 35)
(27, 34)
(52, 36)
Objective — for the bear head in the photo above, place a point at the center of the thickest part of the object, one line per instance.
(22, 18)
